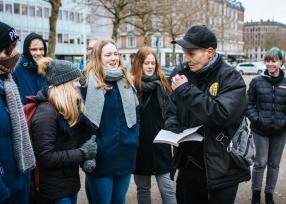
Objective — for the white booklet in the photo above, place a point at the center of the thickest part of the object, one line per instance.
(166, 136)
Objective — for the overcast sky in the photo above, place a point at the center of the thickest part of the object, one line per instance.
(264, 9)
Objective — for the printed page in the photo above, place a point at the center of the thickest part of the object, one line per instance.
(166, 136)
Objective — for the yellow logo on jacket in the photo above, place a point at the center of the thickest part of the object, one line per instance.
(214, 89)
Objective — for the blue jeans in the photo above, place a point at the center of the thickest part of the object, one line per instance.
(67, 200)
(108, 190)
(268, 153)
(165, 185)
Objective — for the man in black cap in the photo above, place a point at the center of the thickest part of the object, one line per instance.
(25, 75)
(16, 153)
(207, 92)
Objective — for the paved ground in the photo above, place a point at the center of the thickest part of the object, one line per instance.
(244, 192)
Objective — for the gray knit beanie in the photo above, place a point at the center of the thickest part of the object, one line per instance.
(61, 71)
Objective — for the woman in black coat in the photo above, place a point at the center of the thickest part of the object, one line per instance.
(59, 131)
(152, 159)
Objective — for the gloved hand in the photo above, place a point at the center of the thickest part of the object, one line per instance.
(89, 148)
(89, 165)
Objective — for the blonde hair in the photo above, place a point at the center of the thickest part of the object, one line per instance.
(95, 66)
(64, 97)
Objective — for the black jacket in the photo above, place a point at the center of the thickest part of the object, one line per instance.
(267, 104)
(152, 158)
(216, 99)
(56, 147)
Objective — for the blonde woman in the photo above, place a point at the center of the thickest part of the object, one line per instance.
(59, 130)
(111, 104)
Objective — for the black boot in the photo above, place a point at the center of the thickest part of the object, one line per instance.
(255, 197)
(269, 198)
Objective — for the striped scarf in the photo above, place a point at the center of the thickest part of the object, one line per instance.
(22, 144)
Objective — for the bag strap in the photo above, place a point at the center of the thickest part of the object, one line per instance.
(224, 139)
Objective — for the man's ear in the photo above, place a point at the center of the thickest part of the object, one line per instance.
(210, 52)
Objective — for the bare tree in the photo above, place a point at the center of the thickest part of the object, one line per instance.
(144, 12)
(274, 39)
(55, 4)
(117, 12)
(175, 20)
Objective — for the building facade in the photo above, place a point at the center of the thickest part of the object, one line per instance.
(262, 35)
(224, 17)
(28, 16)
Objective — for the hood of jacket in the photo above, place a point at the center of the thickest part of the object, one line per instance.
(27, 43)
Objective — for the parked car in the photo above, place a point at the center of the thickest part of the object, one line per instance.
(168, 70)
(251, 67)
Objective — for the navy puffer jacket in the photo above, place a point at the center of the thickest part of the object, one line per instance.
(267, 104)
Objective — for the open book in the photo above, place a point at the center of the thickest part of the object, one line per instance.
(166, 136)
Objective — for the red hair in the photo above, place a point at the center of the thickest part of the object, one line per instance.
(137, 68)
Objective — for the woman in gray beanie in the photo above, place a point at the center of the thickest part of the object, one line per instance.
(62, 136)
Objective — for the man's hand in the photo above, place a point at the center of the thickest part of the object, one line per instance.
(178, 80)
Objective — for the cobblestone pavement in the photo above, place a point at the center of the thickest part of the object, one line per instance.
(243, 195)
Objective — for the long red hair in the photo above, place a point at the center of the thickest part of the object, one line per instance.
(137, 68)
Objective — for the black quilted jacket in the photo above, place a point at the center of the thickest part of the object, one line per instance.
(267, 104)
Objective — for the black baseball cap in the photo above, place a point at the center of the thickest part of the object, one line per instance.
(8, 35)
(198, 36)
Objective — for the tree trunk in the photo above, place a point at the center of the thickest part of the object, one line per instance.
(55, 4)
(145, 39)
(115, 30)
(174, 61)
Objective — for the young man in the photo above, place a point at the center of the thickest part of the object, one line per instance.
(16, 153)
(266, 111)
(25, 75)
(210, 93)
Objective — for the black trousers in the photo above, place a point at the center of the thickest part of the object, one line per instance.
(191, 189)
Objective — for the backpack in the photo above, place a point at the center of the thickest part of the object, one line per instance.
(241, 146)
(29, 110)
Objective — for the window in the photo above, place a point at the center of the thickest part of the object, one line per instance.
(130, 27)
(39, 11)
(17, 8)
(8, 8)
(157, 41)
(131, 41)
(66, 38)
(46, 12)
(66, 15)
(32, 10)
(1, 6)
(71, 16)
(24, 10)
(72, 39)
(77, 17)
(80, 17)
(60, 38)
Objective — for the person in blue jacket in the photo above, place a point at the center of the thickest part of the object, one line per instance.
(112, 105)
(29, 82)
(17, 156)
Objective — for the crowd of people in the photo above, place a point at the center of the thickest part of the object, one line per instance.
(104, 120)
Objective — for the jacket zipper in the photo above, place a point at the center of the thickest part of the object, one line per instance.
(204, 141)
(273, 105)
